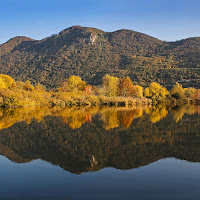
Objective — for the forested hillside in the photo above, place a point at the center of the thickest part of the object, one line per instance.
(91, 53)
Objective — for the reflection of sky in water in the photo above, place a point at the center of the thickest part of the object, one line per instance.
(165, 179)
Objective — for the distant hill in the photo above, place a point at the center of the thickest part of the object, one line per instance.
(12, 43)
(91, 53)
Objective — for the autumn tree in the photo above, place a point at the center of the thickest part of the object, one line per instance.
(178, 92)
(126, 87)
(146, 92)
(40, 87)
(88, 89)
(73, 84)
(197, 94)
(28, 86)
(190, 93)
(64, 87)
(6, 81)
(157, 92)
(110, 85)
(138, 91)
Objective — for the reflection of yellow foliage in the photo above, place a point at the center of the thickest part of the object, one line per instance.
(75, 117)
(178, 114)
(76, 122)
(138, 112)
(157, 113)
(10, 117)
(110, 116)
(110, 119)
(181, 111)
(65, 119)
(147, 110)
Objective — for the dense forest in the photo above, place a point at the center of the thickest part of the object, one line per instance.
(119, 138)
(91, 53)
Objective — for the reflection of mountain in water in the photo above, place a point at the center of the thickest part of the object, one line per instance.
(122, 139)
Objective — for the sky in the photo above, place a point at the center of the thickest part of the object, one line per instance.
(168, 20)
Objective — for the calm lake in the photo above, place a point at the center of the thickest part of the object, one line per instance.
(100, 153)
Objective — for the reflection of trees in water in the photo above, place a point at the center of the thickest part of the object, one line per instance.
(111, 117)
(179, 112)
(158, 113)
(91, 148)
(126, 118)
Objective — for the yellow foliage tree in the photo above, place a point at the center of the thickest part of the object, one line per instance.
(178, 92)
(40, 87)
(28, 86)
(197, 95)
(110, 85)
(190, 93)
(6, 81)
(157, 92)
(146, 92)
(138, 91)
(73, 84)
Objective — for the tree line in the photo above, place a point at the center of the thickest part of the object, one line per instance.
(74, 91)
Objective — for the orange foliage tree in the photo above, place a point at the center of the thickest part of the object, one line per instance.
(88, 89)
(126, 87)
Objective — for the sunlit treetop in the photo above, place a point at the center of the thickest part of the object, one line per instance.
(6, 81)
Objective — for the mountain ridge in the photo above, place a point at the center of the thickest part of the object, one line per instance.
(91, 53)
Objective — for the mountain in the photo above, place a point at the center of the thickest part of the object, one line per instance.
(91, 53)
(12, 43)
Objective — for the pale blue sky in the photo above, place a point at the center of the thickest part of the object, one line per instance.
(168, 20)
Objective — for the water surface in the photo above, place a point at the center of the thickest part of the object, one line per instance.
(100, 153)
